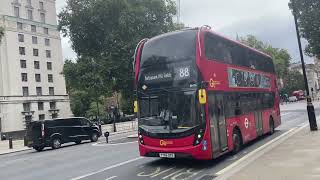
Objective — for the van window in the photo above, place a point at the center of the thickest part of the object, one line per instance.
(85, 122)
(73, 122)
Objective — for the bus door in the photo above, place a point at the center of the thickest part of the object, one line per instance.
(217, 123)
(258, 116)
(258, 121)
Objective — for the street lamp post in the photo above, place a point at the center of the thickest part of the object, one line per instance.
(310, 107)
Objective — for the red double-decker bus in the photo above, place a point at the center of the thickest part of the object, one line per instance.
(201, 95)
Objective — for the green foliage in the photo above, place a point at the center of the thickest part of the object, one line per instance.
(281, 57)
(80, 102)
(308, 15)
(104, 34)
(1, 33)
(92, 111)
(293, 81)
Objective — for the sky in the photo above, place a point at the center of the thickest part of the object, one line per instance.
(269, 20)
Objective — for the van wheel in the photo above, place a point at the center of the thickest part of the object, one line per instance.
(94, 137)
(271, 125)
(56, 143)
(38, 148)
(237, 141)
(78, 142)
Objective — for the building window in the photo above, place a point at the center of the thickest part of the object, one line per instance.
(33, 28)
(38, 77)
(51, 91)
(41, 117)
(39, 91)
(19, 26)
(47, 42)
(24, 77)
(25, 91)
(23, 63)
(45, 30)
(21, 37)
(49, 65)
(16, 11)
(26, 107)
(48, 53)
(22, 50)
(34, 40)
(42, 17)
(40, 106)
(50, 78)
(41, 5)
(53, 105)
(30, 14)
(35, 52)
(36, 64)
(29, 2)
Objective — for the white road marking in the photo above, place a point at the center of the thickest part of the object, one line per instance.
(163, 172)
(284, 114)
(111, 177)
(107, 168)
(176, 172)
(105, 144)
(244, 158)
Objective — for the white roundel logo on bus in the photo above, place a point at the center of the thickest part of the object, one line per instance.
(144, 87)
(246, 123)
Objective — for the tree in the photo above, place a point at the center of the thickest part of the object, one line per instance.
(281, 57)
(308, 15)
(1, 33)
(104, 34)
(293, 81)
(80, 102)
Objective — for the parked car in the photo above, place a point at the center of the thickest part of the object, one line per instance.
(299, 94)
(53, 133)
(293, 99)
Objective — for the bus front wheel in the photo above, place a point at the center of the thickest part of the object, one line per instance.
(237, 141)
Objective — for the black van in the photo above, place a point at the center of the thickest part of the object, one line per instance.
(41, 134)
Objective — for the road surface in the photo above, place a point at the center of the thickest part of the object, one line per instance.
(119, 160)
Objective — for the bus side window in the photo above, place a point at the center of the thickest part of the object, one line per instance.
(217, 48)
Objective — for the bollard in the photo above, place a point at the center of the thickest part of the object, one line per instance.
(106, 134)
(10, 143)
(25, 141)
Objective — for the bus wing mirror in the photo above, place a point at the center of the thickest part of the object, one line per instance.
(202, 96)
(135, 106)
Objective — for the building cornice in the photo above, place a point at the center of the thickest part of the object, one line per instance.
(16, 3)
(27, 21)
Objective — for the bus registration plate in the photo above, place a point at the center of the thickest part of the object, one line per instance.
(167, 155)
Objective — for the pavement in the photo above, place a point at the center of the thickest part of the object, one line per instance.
(294, 159)
(17, 146)
(120, 160)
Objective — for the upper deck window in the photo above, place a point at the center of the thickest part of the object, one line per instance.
(172, 47)
(226, 51)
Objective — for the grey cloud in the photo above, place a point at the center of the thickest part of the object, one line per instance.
(271, 21)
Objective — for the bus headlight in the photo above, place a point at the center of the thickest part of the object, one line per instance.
(141, 139)
(198, 137)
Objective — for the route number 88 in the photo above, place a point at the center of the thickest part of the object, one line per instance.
(184, 72)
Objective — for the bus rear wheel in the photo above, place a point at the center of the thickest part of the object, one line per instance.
(237, 141)
(271, 125)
